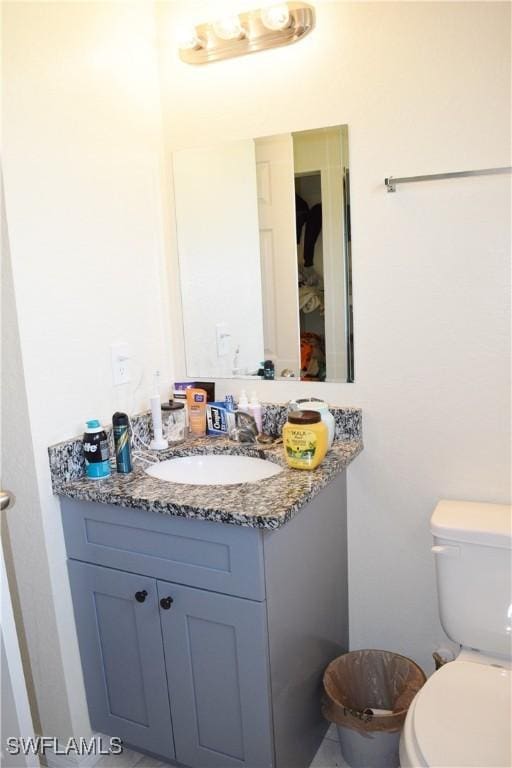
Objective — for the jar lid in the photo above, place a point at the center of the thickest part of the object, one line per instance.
(172, 405)
(304, 417)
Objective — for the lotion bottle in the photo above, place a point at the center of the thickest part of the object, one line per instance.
(243, 402)
(256, 411)
(196, 405)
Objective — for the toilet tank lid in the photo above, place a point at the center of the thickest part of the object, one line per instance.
(474, 522)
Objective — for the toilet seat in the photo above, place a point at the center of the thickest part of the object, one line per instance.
(462, 717)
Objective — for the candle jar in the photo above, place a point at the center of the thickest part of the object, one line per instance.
(173, 422)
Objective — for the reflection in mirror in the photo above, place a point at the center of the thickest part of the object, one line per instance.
(263, 230)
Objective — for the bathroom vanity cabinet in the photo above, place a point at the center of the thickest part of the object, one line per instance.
(204, 643)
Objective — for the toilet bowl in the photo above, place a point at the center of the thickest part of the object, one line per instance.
(462, 717)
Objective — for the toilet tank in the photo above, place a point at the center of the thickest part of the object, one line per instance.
(473, 552)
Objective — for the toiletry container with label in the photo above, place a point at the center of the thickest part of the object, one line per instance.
(196, 405)
(120, 427)
(305, 439)
(96, 451)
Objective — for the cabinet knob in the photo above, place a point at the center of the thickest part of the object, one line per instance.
(141, 596)
(166, 603)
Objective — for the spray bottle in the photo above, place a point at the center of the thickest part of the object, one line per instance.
(96, 451)
(120, 424)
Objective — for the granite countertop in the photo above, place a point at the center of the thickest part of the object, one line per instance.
(268, 503)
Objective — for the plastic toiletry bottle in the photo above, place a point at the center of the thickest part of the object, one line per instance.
(314, 404)
(96, 451)
(120, 425)
(196, 405)
(158, 443)
(305, 439)
(256, 411)
(229, 402)
(243, 402)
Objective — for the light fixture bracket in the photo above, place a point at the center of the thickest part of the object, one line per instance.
(257, 36)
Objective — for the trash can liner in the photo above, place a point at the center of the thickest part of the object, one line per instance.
(361, 680)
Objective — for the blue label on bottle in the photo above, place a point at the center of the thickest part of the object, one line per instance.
(123, 453)
(97, 469)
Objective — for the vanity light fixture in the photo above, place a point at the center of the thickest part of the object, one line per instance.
(249, 32)
(189, 41)
(277, 17)
(229, 28)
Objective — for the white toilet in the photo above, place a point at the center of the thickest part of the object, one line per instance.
(462, 717)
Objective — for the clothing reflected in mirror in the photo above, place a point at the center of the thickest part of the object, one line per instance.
(311, 283)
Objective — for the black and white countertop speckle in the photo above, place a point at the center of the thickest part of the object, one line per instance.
(268, 503)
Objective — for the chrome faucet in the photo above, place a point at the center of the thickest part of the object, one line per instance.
(245, 429)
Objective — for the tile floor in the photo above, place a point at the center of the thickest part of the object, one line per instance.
(328, 756)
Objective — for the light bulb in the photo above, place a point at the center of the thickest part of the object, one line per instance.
(276, 18)
(229, 28)
(188, 39)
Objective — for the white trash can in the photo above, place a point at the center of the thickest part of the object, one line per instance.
(367, 695)
(369, 750)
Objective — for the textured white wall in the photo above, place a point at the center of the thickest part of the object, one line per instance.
(424, 88)
(81, 153)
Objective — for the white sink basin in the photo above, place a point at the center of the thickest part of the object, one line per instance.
(214, 469)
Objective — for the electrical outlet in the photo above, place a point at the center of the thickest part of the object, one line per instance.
(120, 355)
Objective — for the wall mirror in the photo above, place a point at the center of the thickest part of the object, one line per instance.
(264, 246)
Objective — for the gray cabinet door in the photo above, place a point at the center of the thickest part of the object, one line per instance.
(122, 655)
(216, 653)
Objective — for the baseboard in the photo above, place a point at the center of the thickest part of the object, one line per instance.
(72, 760)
